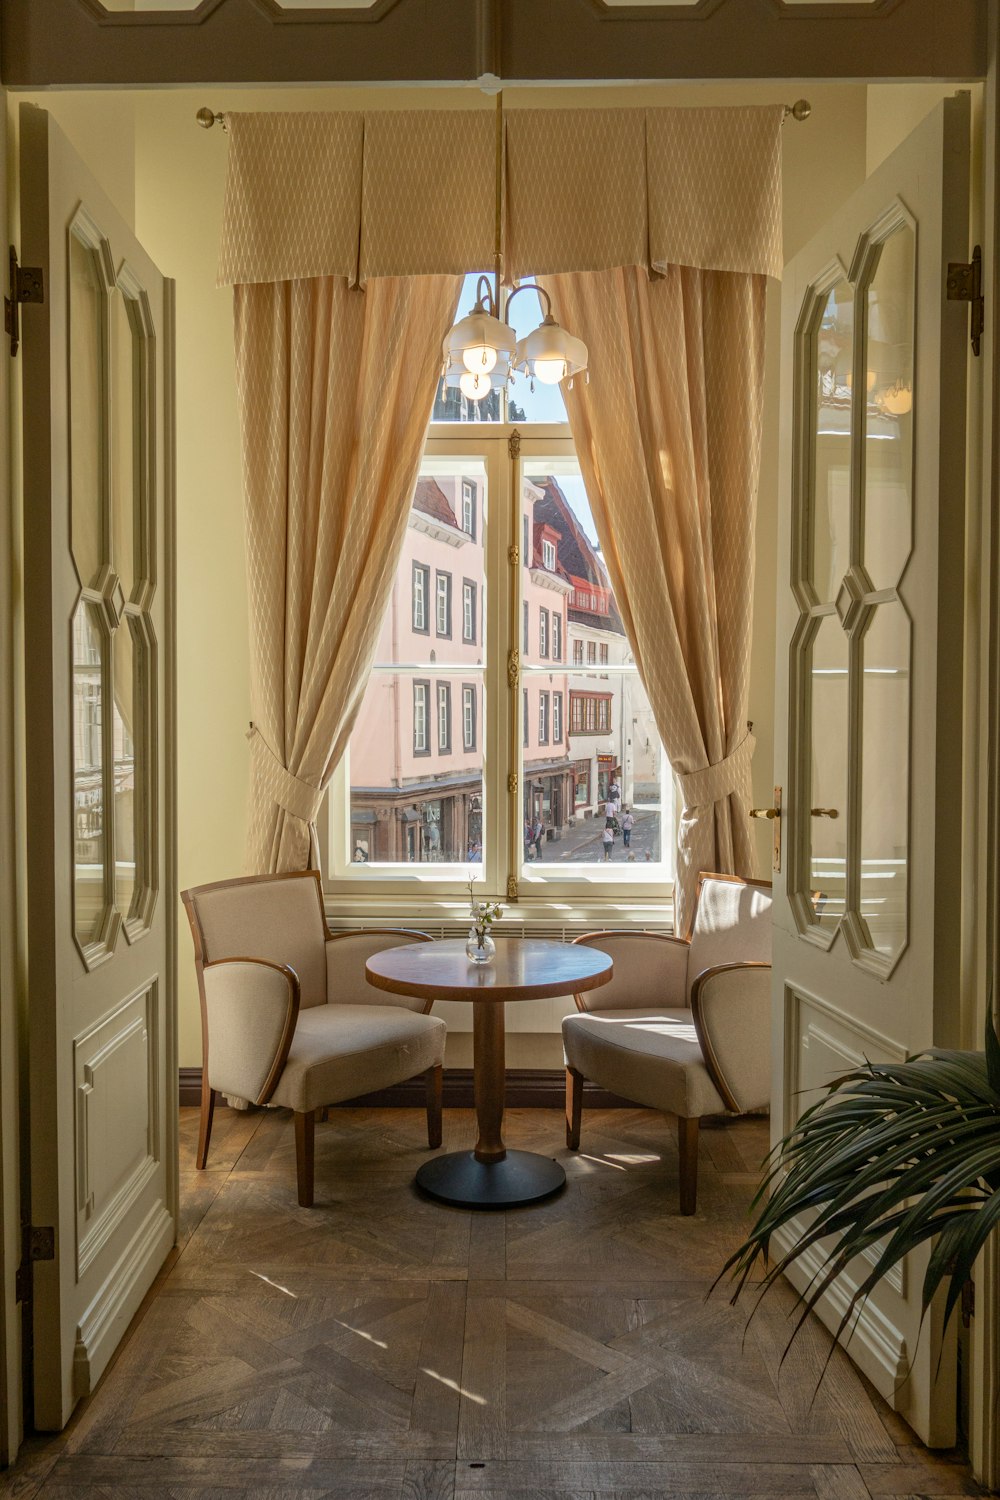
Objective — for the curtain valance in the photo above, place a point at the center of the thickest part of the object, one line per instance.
(411, 193)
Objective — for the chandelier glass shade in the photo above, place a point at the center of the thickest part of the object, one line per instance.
(482, 352)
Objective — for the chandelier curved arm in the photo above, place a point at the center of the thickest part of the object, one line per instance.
(528, 286)
(490, 301)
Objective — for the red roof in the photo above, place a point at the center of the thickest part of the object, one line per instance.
(430, 498)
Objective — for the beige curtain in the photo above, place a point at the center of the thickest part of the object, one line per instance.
(668, 437)
(335, 389)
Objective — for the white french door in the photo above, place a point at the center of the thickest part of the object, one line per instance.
(869, 674)
(102, 1073)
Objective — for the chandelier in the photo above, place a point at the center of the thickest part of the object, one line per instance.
(482, 353)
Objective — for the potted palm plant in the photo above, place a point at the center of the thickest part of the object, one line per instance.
(897, 1153)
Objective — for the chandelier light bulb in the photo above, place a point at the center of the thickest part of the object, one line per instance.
(550, 371)
(479, 359)
(475, 387)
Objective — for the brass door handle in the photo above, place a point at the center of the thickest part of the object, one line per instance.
(823, 812)
(764, 812)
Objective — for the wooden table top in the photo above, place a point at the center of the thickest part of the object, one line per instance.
(524, 969)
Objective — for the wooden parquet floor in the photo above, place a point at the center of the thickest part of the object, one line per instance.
(382, 1347)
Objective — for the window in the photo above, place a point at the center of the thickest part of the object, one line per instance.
(468, 717)
(591, 651)
(604, 653)
(438, 777)
(469, 508)
(444, 604)
(421, 692)
(421, 583)
(589, 713)
(549, 555)
(444, 717)
(469, 612)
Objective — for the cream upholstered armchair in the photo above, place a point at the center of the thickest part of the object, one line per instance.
(287, 1015)
(684, 1026)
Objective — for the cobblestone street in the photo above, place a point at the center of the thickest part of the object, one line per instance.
(582, 843)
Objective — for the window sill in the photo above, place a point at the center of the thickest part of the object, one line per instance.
(533, 915)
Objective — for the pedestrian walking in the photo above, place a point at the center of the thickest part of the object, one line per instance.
(628, 823)
(539, 834)
(608, 840)
(529, 838)
(610, 813)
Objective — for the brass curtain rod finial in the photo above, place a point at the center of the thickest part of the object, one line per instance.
(800, 110)
(207, 118)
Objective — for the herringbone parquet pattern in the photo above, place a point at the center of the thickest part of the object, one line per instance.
(380, 1347)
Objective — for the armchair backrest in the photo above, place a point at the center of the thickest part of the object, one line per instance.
(346, 953)
(732, 924)
(650, 972)
(276, 917)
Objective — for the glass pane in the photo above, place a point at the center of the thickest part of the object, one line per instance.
(825, 699)
(88, 773)
(125, 353)
(591, 756)
(544, 403)
(887, 513)
(436, 612)
(86, 388)
(885, 778)
(829, 515)
(126, 737)
(416, 761)
(449, 404)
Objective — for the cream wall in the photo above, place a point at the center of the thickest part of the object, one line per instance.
(167, 176)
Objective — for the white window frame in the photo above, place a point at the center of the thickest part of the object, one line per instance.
(443, 698)
(548, 554)
(590, 894)
(543, 631)
(421, 694)
(557, 732)
(468, 716)
(442, 597)
(469, 508)
(468, 612)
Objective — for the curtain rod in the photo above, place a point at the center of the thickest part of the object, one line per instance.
(800, 110)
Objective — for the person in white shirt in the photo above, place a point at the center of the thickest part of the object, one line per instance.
(608, 840)
(628, 823)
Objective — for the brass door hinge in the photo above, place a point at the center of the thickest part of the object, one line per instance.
(514, 444)
(512, 783)
(511, 887)
(513, 555)
(26, 285)
(965, 284)
(37, 1243)
(513, 667)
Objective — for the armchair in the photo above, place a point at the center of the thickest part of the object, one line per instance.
(287, 1016)
(685, 1024)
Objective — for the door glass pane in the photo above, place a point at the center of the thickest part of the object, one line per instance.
(416, 753)
(88, 772)
(125, 354)
(887, 508)
(125, 737)
(828, 551)
(825, 700)
(885, 779)
(86, 390)
(592, 764)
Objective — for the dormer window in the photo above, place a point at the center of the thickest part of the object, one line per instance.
(548, 555)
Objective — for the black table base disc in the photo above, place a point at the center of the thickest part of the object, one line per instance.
(522, 1177)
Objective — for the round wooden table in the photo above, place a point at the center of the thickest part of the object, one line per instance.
(524, 969)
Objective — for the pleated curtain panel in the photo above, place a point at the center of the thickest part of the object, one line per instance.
(345, 238)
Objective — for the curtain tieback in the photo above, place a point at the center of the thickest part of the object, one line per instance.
(712, 783)
(296, 797)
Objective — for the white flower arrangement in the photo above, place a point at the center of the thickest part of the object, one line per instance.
(483, 914)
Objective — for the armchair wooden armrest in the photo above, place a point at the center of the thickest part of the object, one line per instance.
(731, 1004)
(251, 1008)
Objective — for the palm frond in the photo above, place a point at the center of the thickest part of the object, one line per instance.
(895, 1155)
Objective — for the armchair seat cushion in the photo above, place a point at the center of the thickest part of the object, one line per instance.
(341, 1051)
(651, 1056)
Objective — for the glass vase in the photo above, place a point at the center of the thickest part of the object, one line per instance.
(480, 947)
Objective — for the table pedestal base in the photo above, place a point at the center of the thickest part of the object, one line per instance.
(521, 1177)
